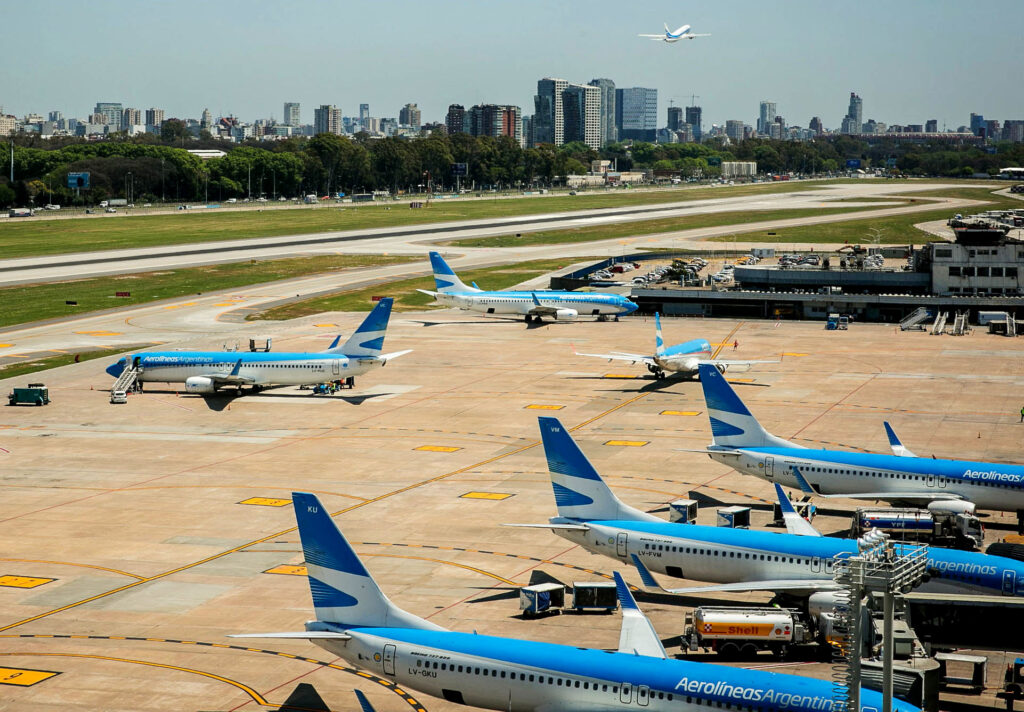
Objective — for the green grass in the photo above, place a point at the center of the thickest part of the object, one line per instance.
(35, 302)
(13, 370)
(896, 229)
(405, 294)
(644, 227)
(47, 237)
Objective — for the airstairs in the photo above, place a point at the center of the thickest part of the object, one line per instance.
(960, 325)
(126, 381)
(914, 322)
(940, 323)
(1011, 325)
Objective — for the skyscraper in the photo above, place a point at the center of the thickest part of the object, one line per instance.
(495, 120)
(548, 115)
(693, 117)
(130, 117)
(327, 119)
(154, 117)
(582, 109)
(455, 120)
(853, 122)
(816, 126)
(675, 118)
(608, 130)
(977, 124)
(364, 116)
(766, 117)
(291, 114)
(111, 112)
(636, 113)
(931, 126)
(734, 130)
(409, 115)
(207, 119)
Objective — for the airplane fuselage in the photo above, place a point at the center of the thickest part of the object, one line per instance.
(723, 555)
(523, 676)
(990, 486)
(683, 358)
(520, 303)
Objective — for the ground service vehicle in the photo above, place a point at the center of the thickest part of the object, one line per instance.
(735, 632)
(960, 530)
(20, 213)
(34, 394)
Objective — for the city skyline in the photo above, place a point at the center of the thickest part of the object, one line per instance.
(900, 59)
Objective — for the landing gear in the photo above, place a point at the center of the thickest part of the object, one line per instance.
(1020, 521)
(658, 372)
(604, 317)
(533, 319)
(528, 318)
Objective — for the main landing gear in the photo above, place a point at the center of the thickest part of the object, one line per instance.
(659, 374)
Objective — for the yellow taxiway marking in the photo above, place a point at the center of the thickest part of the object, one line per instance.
(11, 581)
(740, 380)
(618, 375)
(6, 346)
(266, 501)
(287, 570)
(680, 412)
(179, 306)
(437, 448)
(786, 353)
(68, 563)
(627, 443)
(225, 304)
(24, 677)
(99, 333)
(485, 495)
(325, 326)
(534, 406)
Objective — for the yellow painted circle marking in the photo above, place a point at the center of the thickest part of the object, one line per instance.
(266, 501)
(24, 677)
(627, 443)
(437, 448)
(12, 581)
(485, 495)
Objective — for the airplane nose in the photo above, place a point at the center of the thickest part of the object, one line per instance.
(116, 369)
(630, 306)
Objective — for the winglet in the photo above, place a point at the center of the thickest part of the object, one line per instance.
(364, 703)
(626, 599)
(894, 442)
(645, 575)
(337, 340)
(535, 300)
(805, 486)
(795, 524)
(238, 366)
(638, 635)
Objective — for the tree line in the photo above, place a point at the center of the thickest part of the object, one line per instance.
(159, 168)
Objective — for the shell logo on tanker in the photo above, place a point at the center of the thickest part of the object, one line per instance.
(750, 629)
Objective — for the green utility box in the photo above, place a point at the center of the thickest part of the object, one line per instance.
(34, 394)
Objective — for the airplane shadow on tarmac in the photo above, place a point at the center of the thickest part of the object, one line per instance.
(489, 320)
(221, 400)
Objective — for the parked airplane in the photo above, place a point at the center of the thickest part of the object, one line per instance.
(739, 441)
(683, 33)
(682, 358)
(357, 622)
(532, 304)
(798, 563)
(206, 371)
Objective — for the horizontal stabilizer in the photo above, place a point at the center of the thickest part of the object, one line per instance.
(298, 635)
(795, 524)
(562, 527)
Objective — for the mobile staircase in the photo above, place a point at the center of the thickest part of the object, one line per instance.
(940, 323)
(126, 381)
(915, 320)
(960, 325)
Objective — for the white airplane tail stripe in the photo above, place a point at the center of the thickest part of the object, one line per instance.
(445, 279)
(732, 425)
(368, 339)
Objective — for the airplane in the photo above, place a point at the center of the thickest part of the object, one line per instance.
(683, 33)
(739, 441)
(357, 622)
(798, 563)
(205, 372)
(682, 358)
(531, 304)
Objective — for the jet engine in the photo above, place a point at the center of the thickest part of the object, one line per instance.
(566, 314)
(951, 506)
(722, 368)
(826, 602)
(199, 384)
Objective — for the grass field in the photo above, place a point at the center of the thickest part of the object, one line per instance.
(14, 370)
(47, 237)
(644, 227)
(405, 294)
(35, 302)
(895, 230)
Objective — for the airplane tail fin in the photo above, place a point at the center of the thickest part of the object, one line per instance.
(445, 278)
(580, 493)
(732, 425)
(368, 339)
(659, 343)
(344, 593)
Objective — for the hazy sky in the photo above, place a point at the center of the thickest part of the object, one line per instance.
(910, 60)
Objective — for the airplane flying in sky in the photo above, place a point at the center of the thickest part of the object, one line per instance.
(682, 358)
(532, 304)
(206, 371)
(683, 33)
(739, 441)
(798, 562)
(357, 622)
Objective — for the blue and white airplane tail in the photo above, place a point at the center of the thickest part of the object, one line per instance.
(368, 339)
(445, 279)
(344, 593)
(732, 425)
(659, 343)
(580, 493)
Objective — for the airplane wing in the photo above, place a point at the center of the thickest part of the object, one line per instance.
(660, 37)
(731, 363)
(539, 308)
(619, 356)
(231, 378)
(564, 527)
(894, 442)
(795, 524)
(808, 488)
(741, 586)
(637, 635)
(298, 635)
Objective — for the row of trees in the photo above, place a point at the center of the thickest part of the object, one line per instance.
(153, 168)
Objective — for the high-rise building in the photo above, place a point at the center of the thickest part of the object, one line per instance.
(853, 122)
(130, 117)
(291, 114)
(582, 108)
(675, 118)
(1013, 130)
(364, 116)
(111, 112)
(207, 119)
(154, 117)
(766, 117)
(977, 124)
(409, 115)
(495, 120)
(931, 126)
(327, 119)
(816, 126)
(993, 129)
(548, 115)
(455, 120)
(693, 118)
(734, 130)
(636, 113)
(55, 116)
(608, 131)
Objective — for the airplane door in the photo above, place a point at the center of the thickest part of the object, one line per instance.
(620, 544)
(769, 467)
(626, 693)
(815, 563)
(642, 695)
(1009, 580)
(335, 367)
(389, 659)
(930, 480)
